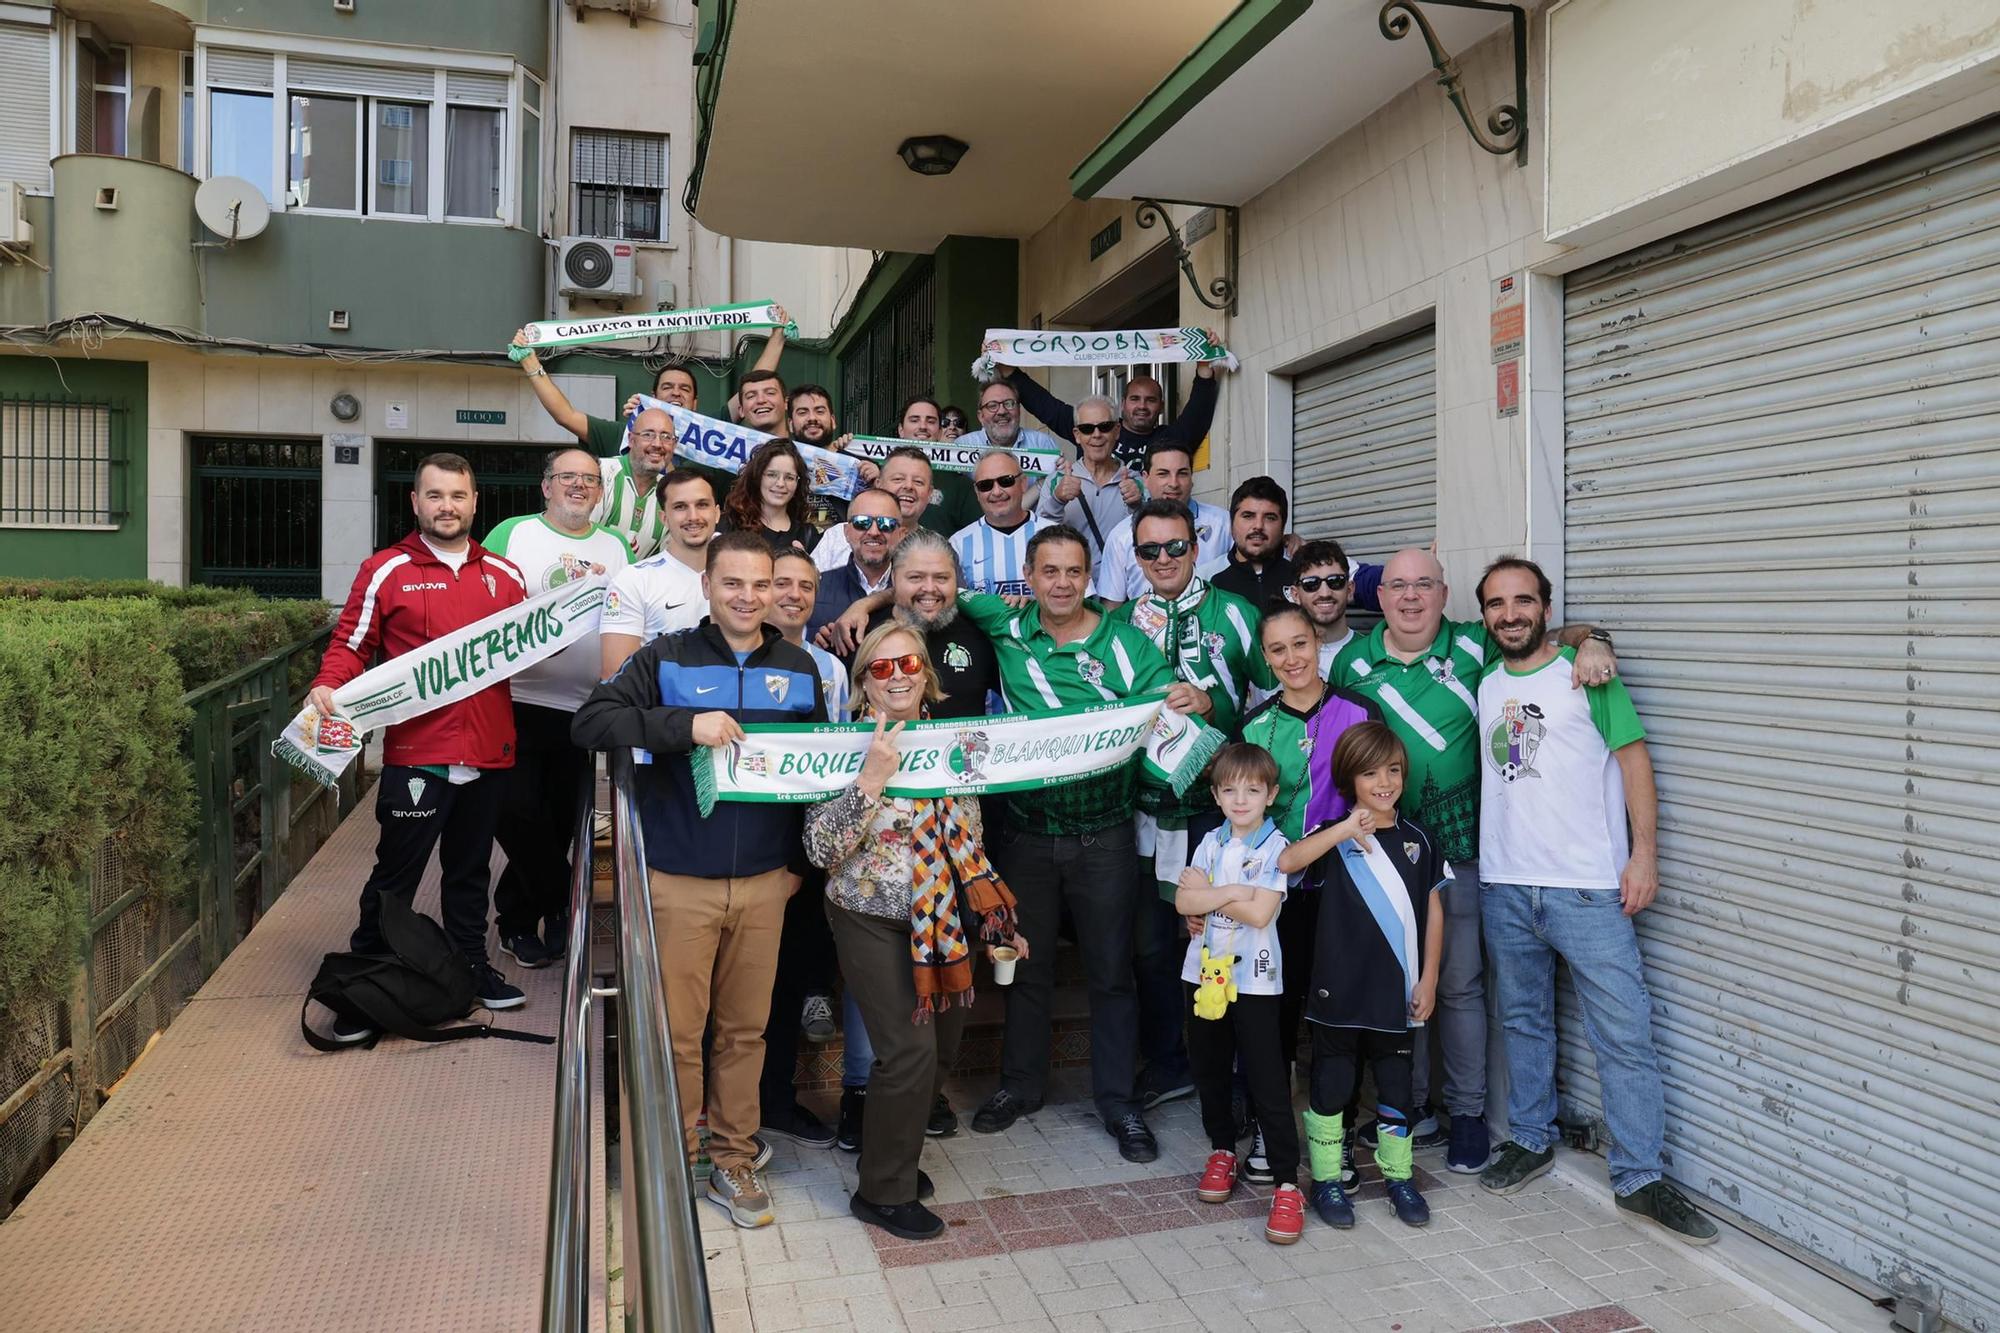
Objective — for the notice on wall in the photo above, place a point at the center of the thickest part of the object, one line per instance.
(396, 416)
(1507, 389)
(1510, 322)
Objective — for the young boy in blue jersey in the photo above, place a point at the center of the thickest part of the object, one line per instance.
(1375, 965)
(1234, 888)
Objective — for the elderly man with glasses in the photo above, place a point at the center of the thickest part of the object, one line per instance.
(1423, 671)
(1000, 428)
(993, 553)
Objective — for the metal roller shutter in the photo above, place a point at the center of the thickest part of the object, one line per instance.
(1783, 491)
(1364, 448)
(24, 106)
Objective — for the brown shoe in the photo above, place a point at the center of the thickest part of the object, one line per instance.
(741, 1190)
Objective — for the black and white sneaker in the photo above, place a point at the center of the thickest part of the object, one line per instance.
(496, 992)
(526, 949)
(1257, 1162)
(353, 1031)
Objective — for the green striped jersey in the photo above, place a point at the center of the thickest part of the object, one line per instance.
(627, 511)
(1215, 634)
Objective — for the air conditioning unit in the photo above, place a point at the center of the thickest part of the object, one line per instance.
(15, 233)
(591, 267)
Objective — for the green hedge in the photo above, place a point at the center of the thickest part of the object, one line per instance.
(210, 631)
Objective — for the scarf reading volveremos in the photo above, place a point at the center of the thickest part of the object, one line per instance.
(618, 328)
(962, 757)
(1039, 347)
(949, 457)
(728, 446)
(448, 669)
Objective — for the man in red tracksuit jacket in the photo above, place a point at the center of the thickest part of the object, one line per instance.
(434, 785)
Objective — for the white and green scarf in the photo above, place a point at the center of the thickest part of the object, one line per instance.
(963, 756)
(448, 669)
(1120, 347)
(949, 456)
(620, 328)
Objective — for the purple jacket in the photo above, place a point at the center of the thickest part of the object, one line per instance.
(1341, 710)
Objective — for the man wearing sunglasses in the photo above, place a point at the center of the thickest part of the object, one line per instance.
(1169, 476)
(1096, 494)
(1143, 405)
(875, 524)
(1000, 428)
(993, 553)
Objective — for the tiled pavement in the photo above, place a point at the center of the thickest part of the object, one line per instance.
(1050, 1229)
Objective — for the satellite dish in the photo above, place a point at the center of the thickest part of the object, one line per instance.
(231, 207)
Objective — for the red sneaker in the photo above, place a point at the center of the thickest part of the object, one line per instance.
(1288, 1216)
(1218, 1178)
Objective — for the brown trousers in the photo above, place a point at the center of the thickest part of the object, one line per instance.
(911, 1059)
(718, 943)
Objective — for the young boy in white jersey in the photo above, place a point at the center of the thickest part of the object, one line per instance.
(1234, 887)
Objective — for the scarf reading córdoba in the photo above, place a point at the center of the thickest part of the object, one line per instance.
(1117, 347)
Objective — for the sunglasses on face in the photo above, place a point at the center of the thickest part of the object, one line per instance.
(1176, 548)
(1003, 480)
(909, 664)
(953, 423)
(1312, 582)
(1096, 427)
(864, 522)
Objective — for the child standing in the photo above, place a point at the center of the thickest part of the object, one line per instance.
(1234, 887)
(1375, 973)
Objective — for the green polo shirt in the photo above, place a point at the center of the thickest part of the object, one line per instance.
(1037, 674)
(1432, 704)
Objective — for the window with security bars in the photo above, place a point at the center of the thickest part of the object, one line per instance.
(62, 463)
(618, 185)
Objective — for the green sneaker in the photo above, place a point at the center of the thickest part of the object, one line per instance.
(1670, 1210)
(1514, 1166)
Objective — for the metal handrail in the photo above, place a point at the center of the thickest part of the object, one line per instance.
(666, 1280)
(566, 1261)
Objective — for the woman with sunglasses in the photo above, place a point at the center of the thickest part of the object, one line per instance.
(909, 894)
(951, 424)
(770, 499)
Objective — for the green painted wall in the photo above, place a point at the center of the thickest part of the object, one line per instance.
(24, 289)
(133, 260)
(517, 27)
(977, 282)
(391, 278)
(63, 553)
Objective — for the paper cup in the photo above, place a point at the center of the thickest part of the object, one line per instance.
(1004, 957)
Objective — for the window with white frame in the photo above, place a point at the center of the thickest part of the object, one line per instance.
(59, 464)
(103, 98)
(618, 184)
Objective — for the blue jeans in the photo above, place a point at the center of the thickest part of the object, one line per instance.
(857, 1053)
(1527, 928)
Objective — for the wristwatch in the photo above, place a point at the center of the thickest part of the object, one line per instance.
(1602, 636)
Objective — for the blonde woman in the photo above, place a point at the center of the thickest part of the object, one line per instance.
(909, 895)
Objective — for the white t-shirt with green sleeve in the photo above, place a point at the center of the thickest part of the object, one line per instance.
(548, 558)
(1551, 794)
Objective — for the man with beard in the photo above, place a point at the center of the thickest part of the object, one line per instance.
(1169, 475)
(875, 524)
(1000, 428)
(557, 546)
(1095, 494)
(1144, 403)
(662, 593)
(1562, 772)
(1422, 670)
(1258, 570)
(437, 784)
(923, 594)
(810, 419)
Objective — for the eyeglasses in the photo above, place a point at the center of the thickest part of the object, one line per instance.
(1000, 405)
(863, 522)
(1003, 481)
(1096, 427)
(1312, 582)
(1397, 587)
(576, 479)
(909, 664)
(649, 436)
(1176, 548)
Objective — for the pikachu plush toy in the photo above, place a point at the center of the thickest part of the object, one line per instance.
(1217, 990)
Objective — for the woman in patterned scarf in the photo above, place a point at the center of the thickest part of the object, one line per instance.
(909, 895)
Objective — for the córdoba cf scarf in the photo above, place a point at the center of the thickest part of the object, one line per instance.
(448, 669)
(620, 328)
(1040, 347)
(961, 757)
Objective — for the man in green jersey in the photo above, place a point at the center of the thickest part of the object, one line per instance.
(1209, 638)
(1070, 845)
(1423, 671)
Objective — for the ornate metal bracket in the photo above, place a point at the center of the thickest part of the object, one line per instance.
(1221, 292)
(1506, 125)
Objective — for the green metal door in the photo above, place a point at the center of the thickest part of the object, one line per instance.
(256, 514)
(509, 477)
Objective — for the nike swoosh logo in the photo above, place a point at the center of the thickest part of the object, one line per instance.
(706, 689)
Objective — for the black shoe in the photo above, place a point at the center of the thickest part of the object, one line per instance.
(796, 1123)
(816, 1019)
(943, 1122)
(1514, 1166)
(527, 950)
(911, 1221)
(1670, 1210)
(1410, 1207)
(1158, 1091)
(925, 1187)
(555, 939)
(853, 1105)
(1002, 1109)
(495, 991)
(353, 1031)
(1135, 1142)
(765, 1152)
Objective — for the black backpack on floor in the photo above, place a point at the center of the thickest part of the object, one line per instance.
(420, 983)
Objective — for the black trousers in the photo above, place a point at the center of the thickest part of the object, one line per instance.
(536, 810)
(805, 967)
(1336, 1070)
(1246, 1034)
(1097, 876)
(419, 811)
